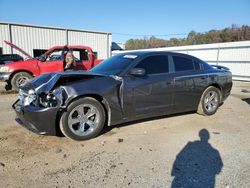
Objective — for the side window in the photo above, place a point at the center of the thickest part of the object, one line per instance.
(38, 52)
(96, 55)
(81, 54)
(197, 65)
(76, 54)
(55, 55)
(183, 64)
(155, 64)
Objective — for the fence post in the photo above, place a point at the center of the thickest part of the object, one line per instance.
(10, 36)
(67, 36)
(218, 54)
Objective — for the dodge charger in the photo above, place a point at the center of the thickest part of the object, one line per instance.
(125, 87)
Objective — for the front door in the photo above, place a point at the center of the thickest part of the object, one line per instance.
(152, 93)
(53, 62)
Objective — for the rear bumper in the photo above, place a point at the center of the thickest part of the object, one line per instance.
(4, 76)
(35, 119)
(226, 91)
(225, 96)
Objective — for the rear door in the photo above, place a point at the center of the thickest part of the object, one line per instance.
(151, 94)
(189, 81)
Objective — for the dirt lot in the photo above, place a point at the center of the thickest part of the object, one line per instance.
(154, 153)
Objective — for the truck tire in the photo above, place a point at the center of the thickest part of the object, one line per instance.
(18, 79)
(8, 86)
(84, 119)
(209, 102)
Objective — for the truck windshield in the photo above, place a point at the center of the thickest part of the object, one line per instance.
(114, 65)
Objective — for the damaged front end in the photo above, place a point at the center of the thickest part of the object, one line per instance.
(38, 112)
(42, 100)
(36, 118)
(38, 105)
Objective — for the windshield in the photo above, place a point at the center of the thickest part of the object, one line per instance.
(114, 65)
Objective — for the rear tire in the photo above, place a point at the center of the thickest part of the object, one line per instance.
(83, 120)
(209, 102)
(19, 79)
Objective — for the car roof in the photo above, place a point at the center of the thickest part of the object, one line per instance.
(140, 53)
(148, 52)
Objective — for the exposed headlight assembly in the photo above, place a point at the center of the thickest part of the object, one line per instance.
(47, 100)
(30, 98)
(27, 97)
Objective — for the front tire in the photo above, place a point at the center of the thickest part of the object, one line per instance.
(19, 79)
(84, 119)
(209, 102)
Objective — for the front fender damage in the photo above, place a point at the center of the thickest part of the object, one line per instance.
(59, 90)
(109, 93)
(120, 90)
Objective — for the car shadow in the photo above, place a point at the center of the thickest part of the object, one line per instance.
(106, 129)
(197, 164)
(247, 100)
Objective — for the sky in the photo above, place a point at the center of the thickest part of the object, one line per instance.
(129, 18)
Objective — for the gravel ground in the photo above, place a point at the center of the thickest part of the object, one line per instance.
(162, 152)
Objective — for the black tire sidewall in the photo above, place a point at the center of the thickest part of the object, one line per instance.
(203, 97)
(64, 119)
(16, 77)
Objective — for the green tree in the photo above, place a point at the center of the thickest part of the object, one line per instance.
(229, 34)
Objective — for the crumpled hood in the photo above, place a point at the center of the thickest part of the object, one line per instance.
(47, 82)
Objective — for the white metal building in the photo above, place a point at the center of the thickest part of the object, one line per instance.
(234, 55)
(34, 39)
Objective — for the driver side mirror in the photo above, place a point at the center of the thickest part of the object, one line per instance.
(42, 58)
(137, 72)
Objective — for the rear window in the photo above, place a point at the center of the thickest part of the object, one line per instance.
(183, 64)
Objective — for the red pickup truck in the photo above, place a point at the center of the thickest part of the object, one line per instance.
(16, 73)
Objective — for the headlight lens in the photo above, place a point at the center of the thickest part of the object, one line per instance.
(4, 69)
(31, 97)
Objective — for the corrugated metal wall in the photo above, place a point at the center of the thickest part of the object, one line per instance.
(234, 55)
(30, 37)
(98, 42)
(4, 35)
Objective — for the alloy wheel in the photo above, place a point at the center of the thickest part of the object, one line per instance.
(83, 119)
(211, 101)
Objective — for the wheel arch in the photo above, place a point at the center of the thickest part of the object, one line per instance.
(216, 85)
(17, 71)
(97, 97)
